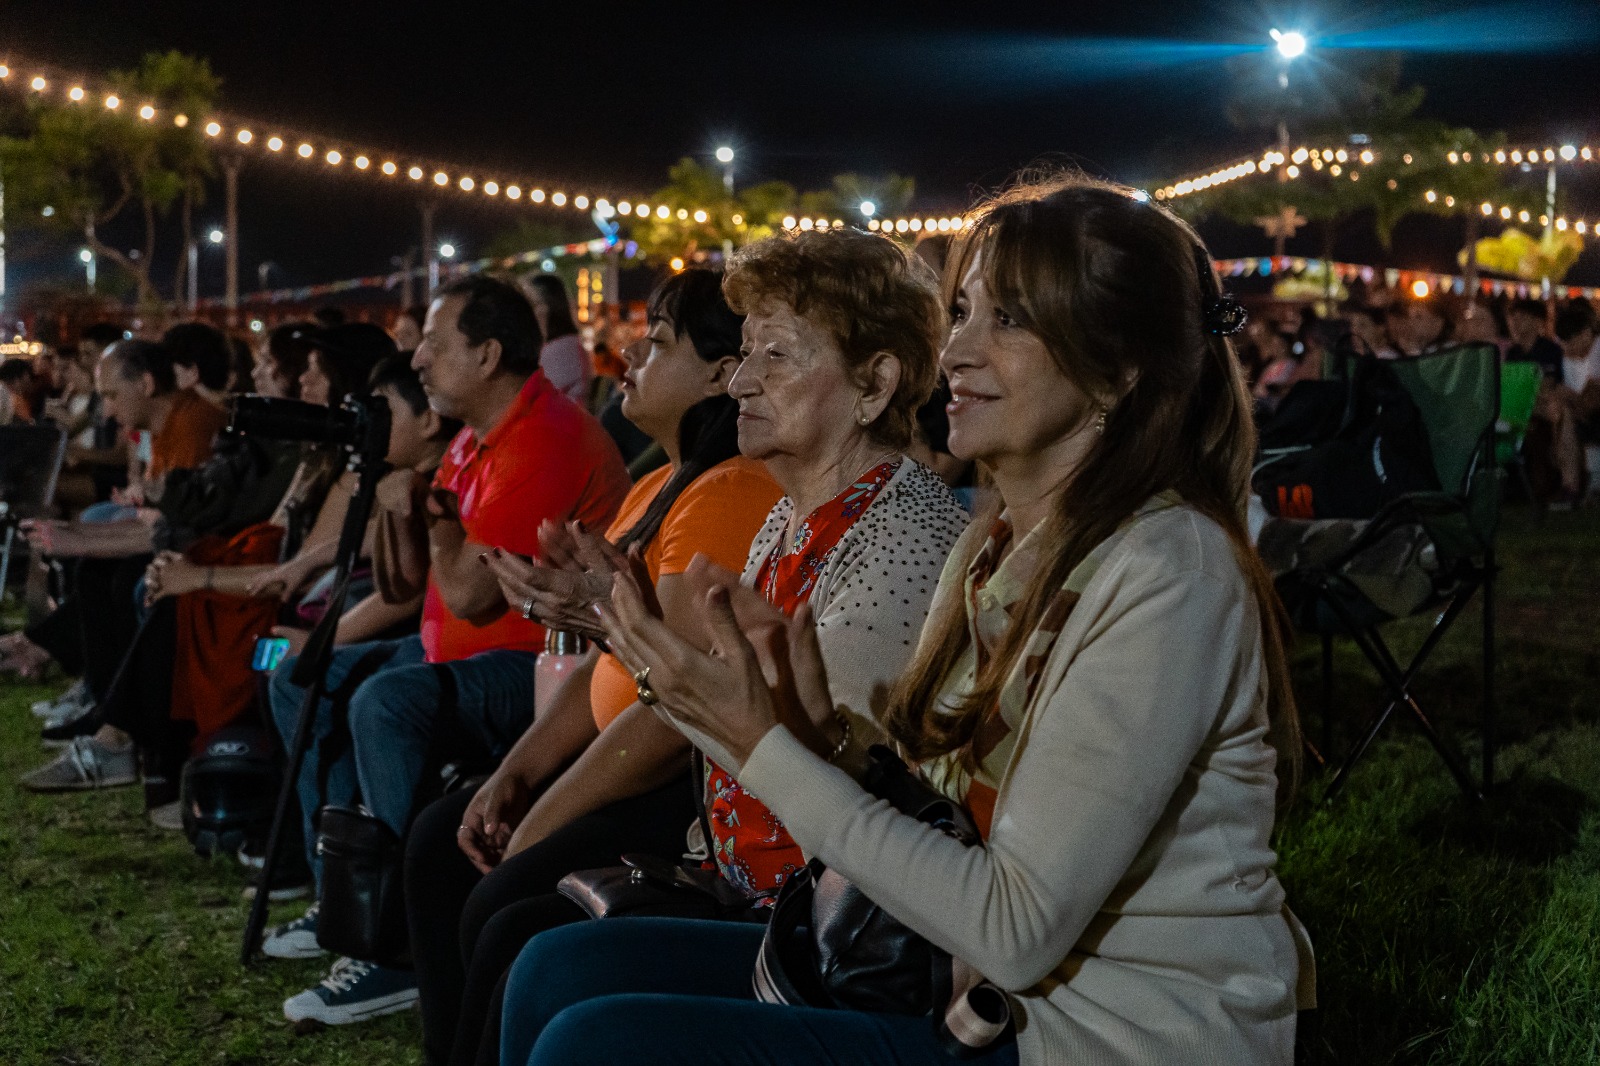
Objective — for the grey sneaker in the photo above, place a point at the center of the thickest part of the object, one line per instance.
(85, 764)
(63, 706)
(296, 939)
(352, 992)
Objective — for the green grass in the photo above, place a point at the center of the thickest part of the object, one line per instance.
(1444, 933)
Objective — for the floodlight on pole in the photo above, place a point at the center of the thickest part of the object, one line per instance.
(1291, 44)
(447, 251)
(216, 236)
(724, 156)
(868, 208)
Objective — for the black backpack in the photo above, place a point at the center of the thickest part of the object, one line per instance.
(1378, 452)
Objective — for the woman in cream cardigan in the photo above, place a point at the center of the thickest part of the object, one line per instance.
(1101, 683)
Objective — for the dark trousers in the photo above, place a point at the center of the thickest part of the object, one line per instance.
(466, 928)
(676, 992)
(93, 628)
(139, 699)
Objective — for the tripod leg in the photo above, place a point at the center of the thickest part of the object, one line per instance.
(257, 921)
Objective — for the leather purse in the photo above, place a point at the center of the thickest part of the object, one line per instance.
(829, 945)
(648, 885)
(362, 892)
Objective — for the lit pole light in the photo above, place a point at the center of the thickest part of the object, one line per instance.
(1290, 45)
(725, 157)
(86, 257)
(447, 251)
(216, 236)
(868, 208)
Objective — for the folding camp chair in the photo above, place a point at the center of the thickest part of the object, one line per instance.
(1441, 543)
(1519, 392)
(30, 464)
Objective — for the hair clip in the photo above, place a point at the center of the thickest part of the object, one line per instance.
(1224, 316)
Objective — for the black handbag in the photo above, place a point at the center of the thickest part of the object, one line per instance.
(363, 910)
(829, 945)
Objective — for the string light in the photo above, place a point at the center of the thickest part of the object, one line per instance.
(1331, 158)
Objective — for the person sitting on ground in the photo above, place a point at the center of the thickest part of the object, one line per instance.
(840, 340)
(1097, 685)
(562, 358)
(634, 794)
(527, 454)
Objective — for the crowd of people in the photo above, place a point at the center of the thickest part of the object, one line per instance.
(977, 511)
(1561, 449)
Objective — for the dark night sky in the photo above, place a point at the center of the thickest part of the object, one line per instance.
(957, 96)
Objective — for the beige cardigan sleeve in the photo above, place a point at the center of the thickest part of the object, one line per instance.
(1104, 753)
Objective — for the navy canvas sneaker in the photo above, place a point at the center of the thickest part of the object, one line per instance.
(352, 992)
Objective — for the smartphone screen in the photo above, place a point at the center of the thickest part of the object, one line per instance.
(269, 653)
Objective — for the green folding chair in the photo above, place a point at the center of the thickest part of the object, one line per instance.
(1457, 391)
(1519, 392)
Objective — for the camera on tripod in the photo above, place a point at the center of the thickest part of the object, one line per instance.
(360, 425)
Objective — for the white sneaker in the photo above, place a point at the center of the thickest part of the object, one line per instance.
(352, 992)
(65, 706)
(294, 940)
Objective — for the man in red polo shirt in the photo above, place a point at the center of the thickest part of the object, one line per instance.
(465, 683)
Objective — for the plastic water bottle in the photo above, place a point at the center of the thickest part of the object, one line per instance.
(562, 653)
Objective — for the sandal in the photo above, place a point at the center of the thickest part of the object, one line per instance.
(83, 765)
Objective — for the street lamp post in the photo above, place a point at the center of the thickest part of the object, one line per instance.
(1290, 46)
(230, 173)
(86, 257)
(428, 248)
(725, 157)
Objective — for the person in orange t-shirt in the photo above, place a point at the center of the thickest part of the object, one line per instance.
(708, 500)
(464, 686)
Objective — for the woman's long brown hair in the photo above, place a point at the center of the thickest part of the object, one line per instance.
(1116, 288)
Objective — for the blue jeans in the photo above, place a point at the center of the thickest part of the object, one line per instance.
(393, 702)
(676, 992)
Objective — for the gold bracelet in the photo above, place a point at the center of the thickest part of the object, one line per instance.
(844, 735)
